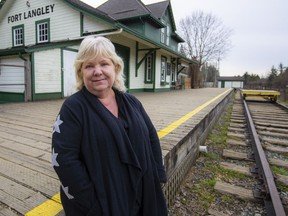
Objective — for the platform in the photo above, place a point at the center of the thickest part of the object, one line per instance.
(267, 94)
(29, 185)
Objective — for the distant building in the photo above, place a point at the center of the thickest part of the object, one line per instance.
(230, 82)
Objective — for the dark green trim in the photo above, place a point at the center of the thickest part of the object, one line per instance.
(13, 51)
(146, 54)
(152, 72)
(163, 83)
(162, 89)
(47, 96)
(124, 53)
(69, 49)
(136, 90)
(32, 77)
(11, 97)
(60, 44)
(17, 27)
(81, 24)
(36, 32)
(100, 32)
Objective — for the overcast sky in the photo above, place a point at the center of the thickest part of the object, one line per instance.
(260, 27)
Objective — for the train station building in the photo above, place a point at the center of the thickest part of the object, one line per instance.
(40, 40)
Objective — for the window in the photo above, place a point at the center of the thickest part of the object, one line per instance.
(163, 70)
(162, 33)
(43, 31)
(173, 73)
(18, 35)
(149, 68)
(167, 35)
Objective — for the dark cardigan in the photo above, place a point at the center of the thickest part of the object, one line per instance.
(105, 168)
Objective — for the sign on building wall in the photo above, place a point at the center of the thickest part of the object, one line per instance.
(31, 13)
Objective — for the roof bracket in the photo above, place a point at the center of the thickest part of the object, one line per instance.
(150, 50)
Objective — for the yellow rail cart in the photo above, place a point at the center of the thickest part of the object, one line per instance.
(267, 94)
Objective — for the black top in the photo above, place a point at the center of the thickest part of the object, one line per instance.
(107, 165)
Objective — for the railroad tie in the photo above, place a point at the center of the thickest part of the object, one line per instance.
(238, 125)
(239, 192)
(236, 135)
(236, 142)
(274, 141)
(275, 148)
(236, 168)
(236, 129)
(281, 178)
(214, 212)
(235, 155)
(278, 162)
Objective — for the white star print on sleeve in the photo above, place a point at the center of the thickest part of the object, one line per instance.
(56, 125)
(65, 189)
(53, 158)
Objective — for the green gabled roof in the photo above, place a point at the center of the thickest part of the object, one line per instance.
(158, 10)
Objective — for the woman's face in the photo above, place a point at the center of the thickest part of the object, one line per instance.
(98, 75)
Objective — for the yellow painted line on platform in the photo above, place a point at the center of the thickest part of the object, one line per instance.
(171, 127)
(53, 206)
(50, 207)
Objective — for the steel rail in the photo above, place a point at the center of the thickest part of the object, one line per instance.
(272, 201)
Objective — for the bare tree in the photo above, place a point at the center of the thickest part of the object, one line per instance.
(207, 39)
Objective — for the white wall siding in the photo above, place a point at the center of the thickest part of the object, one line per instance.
(12, 75)
(47, 66)
(91, 24)
(64, 21)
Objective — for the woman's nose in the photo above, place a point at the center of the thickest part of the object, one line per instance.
(97, 71)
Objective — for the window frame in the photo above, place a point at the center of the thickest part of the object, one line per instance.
(151, 67)
(173, 72)
(167, 35)
(162, 33)
(163, 70)
(38, 23)
(14, 39)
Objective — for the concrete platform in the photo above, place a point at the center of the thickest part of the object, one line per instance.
(29, 185)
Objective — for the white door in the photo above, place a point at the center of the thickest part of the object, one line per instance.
(69, 72)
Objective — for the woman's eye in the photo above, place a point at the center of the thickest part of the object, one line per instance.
(88, 66)
(104, 64)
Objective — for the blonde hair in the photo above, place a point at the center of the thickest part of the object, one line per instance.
(92, 47)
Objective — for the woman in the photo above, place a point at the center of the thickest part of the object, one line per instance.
(105, 149)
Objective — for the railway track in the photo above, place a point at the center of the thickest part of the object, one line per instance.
(257, 146)
(227, 179)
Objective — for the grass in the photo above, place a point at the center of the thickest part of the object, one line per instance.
(204, 188)
(280, 170)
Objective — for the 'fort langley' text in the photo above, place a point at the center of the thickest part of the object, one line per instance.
(31, 13)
